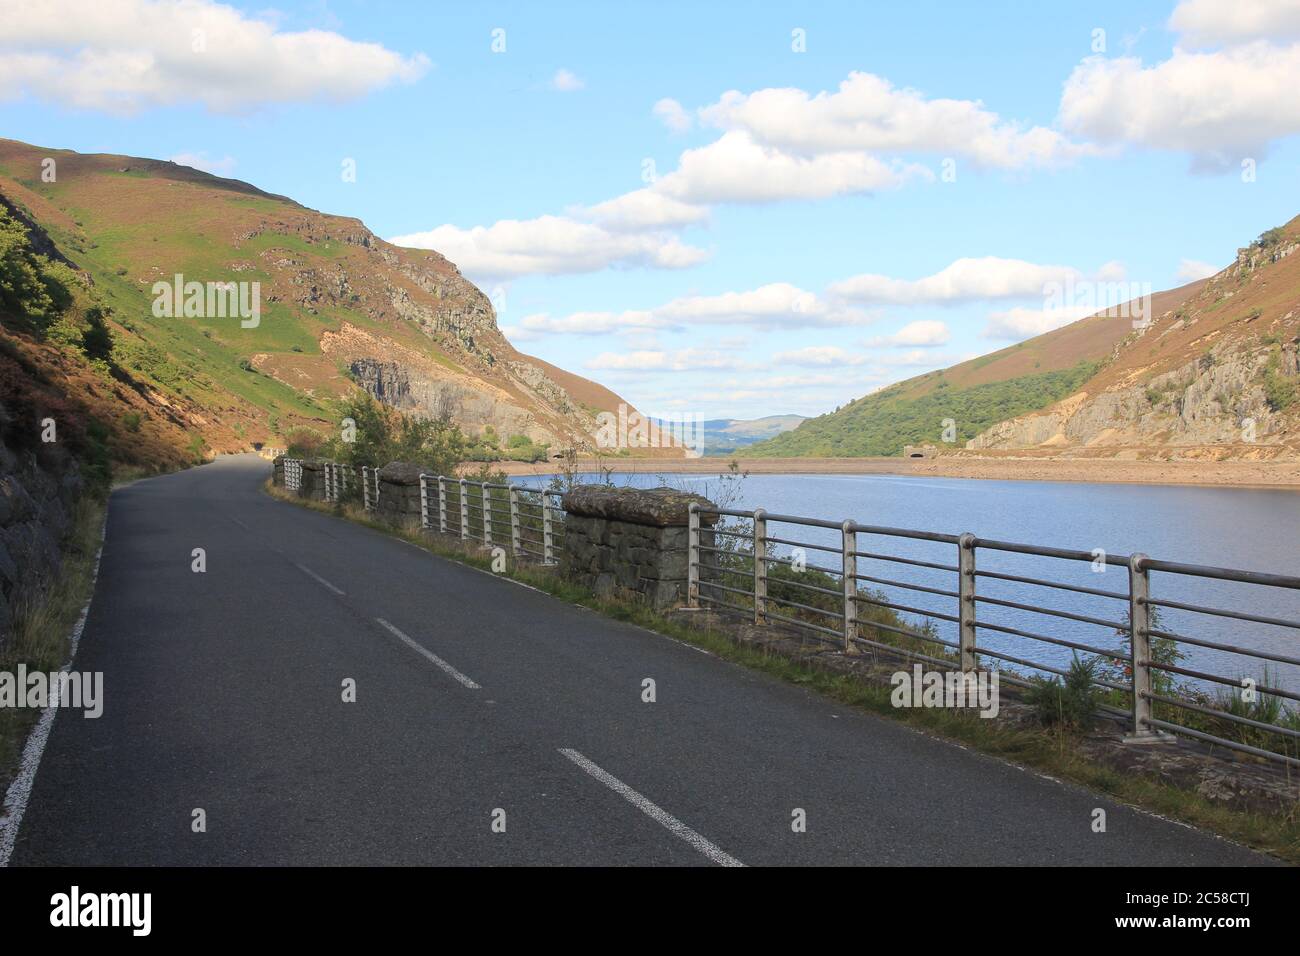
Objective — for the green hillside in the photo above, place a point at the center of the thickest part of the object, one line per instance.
(331, 299)
(882, 423)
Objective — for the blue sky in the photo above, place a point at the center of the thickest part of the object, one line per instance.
(799, 243)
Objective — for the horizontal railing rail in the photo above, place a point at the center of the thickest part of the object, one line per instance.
(819, 576)
(528, 521)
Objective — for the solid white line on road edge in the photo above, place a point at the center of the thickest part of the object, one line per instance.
(653, 811)
(20, 788)
(428, 654)
(320, 580)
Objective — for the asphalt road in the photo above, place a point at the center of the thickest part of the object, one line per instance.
(476, 695)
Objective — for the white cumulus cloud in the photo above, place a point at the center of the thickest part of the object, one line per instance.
(1215, 22)
(814, 356)
(868, 113)
(550, 245)
(736, 169)
(1189, 270)
(1219, 106)
(965, 280)
(645, 209)
(681, 360)
(777, 305)
(122, 56)
(1225, 94)
(1023, 323)
(672, 114)
(926, 333)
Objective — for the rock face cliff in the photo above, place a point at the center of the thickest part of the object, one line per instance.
(1217, 377)
(464, 368)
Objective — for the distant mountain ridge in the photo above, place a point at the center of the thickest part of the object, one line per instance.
(724, 435)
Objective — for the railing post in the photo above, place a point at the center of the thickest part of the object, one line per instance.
(464, 511)
(516, 528)
(966, 631)
(849, 544)
(1139, 624)
(760, 566)
(548, 535)
(442, 505)
(693, 555)
(365, 487)
(483, 499)
(424, 501)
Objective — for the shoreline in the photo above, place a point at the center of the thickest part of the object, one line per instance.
(1273, 475)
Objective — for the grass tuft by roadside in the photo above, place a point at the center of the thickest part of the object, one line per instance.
(43, 623)
(1049, 750)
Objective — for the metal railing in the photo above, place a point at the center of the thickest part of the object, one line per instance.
(527, 520)
(339, 479)
(850, 599)
(369, 487)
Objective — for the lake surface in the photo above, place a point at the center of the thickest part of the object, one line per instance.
(1249, 529)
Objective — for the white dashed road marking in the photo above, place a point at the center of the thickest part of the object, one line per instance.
(428, 654)
(319, 580)
(653, 811)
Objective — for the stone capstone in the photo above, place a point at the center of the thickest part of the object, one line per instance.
(655, 507)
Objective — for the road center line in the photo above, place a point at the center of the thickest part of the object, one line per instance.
(319, 580)
(653, 811)
(428, 654)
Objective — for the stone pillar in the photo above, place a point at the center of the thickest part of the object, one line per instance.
(277, 473)
(399, 494)
(631, 541)
(313, 480)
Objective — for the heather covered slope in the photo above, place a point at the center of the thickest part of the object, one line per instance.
(1217, 377)
(341, 308)
(1213, 375)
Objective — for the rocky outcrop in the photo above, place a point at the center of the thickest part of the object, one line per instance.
(1218, 399)
(1214, 376)
(426, 391)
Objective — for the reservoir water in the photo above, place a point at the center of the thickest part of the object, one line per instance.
(1248, 529)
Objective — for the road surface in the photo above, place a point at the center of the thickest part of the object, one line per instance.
(481, 705)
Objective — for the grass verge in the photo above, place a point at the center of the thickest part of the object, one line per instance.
(43, 624)
(1048, 750)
